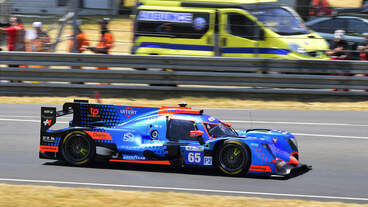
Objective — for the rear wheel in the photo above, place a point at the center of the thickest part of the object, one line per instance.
(233, 158)
(78, 149)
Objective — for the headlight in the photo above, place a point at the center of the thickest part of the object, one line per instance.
(282, 167)
(297, 48)
(293, 144)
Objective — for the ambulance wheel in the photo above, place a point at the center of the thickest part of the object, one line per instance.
(78, 149)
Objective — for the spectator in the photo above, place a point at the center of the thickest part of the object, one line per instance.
(106, 41)
(340, 47)
(82, 41)
(363, 48)
(339, 51)
(16, 34)
(38, 41)
(321, 8)
(16, 37)
(41, 41)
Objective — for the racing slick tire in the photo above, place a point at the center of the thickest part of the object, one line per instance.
(78, 148)
(233, 158)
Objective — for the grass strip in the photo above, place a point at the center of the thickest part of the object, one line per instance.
(342, 104)
(48, 196)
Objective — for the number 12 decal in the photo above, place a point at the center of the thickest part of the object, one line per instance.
(194, 157)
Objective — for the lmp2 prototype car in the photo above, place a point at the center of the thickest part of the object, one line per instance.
(179, 136)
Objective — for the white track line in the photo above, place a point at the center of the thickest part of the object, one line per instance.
(24, 120)
(16, 116)
(230, 109)
(34, 117)
(9, 117)
(28, 120)
(295, 133)
(184, 189)
(297, 123)
(330, 136)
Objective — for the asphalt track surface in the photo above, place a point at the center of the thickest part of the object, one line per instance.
(334, 142)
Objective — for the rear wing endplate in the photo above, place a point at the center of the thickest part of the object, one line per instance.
(49, 114)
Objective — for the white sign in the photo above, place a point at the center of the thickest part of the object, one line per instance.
(193, 148)
(128, 137)
(207, 160)
(165, 16)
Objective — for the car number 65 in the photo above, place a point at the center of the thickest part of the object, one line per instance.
(194, 157)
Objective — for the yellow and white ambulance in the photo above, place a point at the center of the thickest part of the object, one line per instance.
(230, 28)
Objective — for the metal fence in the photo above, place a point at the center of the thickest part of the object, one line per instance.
(169, 73)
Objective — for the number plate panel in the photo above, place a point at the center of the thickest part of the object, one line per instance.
(194, 157)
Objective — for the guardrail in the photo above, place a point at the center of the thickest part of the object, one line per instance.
(201, 74)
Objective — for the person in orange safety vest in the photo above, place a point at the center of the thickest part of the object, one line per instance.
(106, 41)
(82, 40)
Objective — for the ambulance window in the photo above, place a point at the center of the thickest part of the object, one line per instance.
(180, 129)
(240, 25)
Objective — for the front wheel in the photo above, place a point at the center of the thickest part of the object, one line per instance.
(78, 149)
(233, 158)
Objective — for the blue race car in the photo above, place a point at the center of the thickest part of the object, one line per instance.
(177, 136)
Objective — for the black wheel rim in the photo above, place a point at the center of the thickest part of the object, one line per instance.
(232, 158)
(77, 148)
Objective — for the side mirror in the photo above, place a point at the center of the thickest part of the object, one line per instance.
(228, 124)
(198, 134)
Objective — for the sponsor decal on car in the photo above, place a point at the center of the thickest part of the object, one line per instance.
(211, 118)
(253, 144)
(48, 139)
(194, 157)
(47, 122)
(99, 135)
(48, 112)
(259, 168)
(94, 112)
(128, 137)
(45, 148)
(128, 112)
(194, 148)
(133, 157)
(207, 160)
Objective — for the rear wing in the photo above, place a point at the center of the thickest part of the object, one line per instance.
(86, 114)
(49, 114)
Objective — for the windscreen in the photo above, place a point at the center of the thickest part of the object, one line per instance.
(220, 130)
(281, 21)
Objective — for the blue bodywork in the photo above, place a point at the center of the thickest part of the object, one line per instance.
(153, 135)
